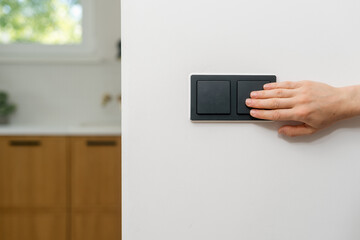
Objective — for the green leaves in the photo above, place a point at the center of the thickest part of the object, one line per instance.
(6, 108)
(3, 98)
(40, 21)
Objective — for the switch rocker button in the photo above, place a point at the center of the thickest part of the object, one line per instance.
(244, 88)
(213, 97)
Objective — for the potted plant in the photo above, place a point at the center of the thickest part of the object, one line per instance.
(5, 108)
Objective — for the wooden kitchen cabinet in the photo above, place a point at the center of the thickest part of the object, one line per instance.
(33, 225)
(95, 188)
(60, 188)
(95, 224)
(33, 188)
(95, 172)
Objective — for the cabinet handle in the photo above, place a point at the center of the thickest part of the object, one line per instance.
(24, 143)
(100, 143)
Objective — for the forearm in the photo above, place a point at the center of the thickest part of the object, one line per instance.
(350, 101)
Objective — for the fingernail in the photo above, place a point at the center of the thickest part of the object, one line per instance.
(253, 112)
(267, 85)
(253, 94)
(248, 101)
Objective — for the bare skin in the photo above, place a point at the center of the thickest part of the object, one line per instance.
(314, 105)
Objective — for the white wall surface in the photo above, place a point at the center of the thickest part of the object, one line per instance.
(184, 180)
(69, 93)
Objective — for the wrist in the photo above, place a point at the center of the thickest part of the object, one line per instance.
(350, 101)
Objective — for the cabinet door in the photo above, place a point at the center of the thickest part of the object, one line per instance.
(33, 172)
(33, 188)
(95, 225)
(33, 225)
(95, 188)
(95, 172)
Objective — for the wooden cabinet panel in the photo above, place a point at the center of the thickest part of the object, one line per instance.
(95, 172)
(95, 188)
(60, 188)
(32, 226)
(95, 225)
(33, 188)
(33, 172)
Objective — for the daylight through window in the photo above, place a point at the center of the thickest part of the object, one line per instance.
(54, 22)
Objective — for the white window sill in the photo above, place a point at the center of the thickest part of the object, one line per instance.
(52, 60)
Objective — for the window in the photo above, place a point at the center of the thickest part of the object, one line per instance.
(41, 21)
(43, 29)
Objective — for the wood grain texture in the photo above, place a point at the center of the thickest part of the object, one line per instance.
(95, 188)
(95, 173)
(95, 225)
(33, 176)
(33, 188)
(60, 188)
(27, 225)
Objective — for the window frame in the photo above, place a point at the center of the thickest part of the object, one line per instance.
(37, 52)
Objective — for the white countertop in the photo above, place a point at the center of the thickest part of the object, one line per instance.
(79, 130)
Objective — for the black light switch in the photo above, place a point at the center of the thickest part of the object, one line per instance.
(221, 97)
(213, 97)
(244, 88)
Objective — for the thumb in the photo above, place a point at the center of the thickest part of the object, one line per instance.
(297, 130)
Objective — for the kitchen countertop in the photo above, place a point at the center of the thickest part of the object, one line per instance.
(76, 130)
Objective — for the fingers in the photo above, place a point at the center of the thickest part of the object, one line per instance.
(274, 103)
(274, 93)
(275, 115)
(284, 85)
(299, 130)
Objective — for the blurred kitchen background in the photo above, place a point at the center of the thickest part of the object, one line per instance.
(59, 59)
(60, 125)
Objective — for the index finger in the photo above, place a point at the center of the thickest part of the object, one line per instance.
(285, 85)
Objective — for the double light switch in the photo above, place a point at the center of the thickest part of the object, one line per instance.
(222, 97)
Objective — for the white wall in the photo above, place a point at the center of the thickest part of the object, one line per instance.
(69, 92)
(184, 180)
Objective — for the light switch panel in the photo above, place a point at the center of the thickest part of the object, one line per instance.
(216, 97)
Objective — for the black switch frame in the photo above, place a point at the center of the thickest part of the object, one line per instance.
(233, 79)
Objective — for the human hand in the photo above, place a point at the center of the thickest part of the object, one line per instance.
(315, 105)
